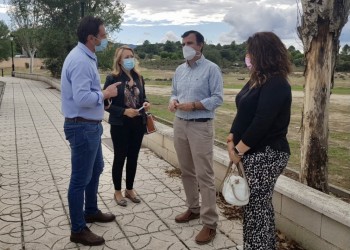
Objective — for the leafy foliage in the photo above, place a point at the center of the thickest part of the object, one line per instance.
(5, 44)
(231, 56)
(57, 21)
(25, 16)
(343, 64)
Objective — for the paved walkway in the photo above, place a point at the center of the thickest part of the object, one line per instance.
(34, 176)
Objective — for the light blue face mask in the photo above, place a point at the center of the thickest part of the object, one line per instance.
(102, 46)
(128, 63)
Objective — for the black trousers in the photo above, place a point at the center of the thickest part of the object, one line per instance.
(127, 141)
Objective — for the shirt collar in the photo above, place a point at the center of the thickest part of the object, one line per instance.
(198, 62)
(87, 51)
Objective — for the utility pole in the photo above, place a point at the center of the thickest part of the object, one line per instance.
(82, 6)
(13, 64)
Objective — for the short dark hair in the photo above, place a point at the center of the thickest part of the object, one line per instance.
(199, 36)
(89, 25)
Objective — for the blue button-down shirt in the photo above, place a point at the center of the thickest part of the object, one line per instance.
(200, 83)
(81, 85)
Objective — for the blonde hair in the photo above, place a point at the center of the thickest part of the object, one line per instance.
(117, 69)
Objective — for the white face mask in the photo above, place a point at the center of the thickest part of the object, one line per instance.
(188, 52)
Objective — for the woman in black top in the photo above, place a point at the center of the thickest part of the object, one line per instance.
(258, 134)
(128, 124)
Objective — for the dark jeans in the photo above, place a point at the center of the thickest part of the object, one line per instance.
(87, 165)
(127, 141)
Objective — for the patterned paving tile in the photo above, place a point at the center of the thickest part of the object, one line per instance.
(11, 246)
(10, 229)
(162, 200)
(160, 172)
(48, 238)
(167, 215)
(45, 218)
(119, 244)
(140, 223)
(160, 240)
(188, 234)
(8, 191)
(233, 229)
(110, 231)
(131, 207)
(150, 187)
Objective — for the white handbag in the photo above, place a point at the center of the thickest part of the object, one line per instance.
(235, 188)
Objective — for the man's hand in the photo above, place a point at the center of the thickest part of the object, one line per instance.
(111, 90)
(172, 105)
(186, 106)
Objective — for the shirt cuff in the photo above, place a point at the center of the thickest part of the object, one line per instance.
(100, 98)
(207, 104)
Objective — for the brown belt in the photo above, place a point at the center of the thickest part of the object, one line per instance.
(81, 119)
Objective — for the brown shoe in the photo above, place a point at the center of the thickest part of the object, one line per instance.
(99, 217)
(205, 235)
(87, 238)
(186, 217)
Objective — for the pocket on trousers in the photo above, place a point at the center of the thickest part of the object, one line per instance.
(92, 136)
(75, 136)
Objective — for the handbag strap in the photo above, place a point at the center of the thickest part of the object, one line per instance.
(230, 172)
(240, 169)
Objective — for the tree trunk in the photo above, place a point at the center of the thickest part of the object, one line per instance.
(321, 25)
(31, 62)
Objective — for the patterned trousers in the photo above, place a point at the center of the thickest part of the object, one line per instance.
(262, 170)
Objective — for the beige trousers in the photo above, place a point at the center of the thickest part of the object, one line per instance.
(193, 143)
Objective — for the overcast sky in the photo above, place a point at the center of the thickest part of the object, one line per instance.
(220, 21)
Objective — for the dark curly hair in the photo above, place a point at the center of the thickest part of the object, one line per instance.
(268, 56)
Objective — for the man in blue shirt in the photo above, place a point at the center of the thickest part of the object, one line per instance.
(197, 91)
(83, 108)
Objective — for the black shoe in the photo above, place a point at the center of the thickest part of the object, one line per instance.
(87, 238)
(99, 217)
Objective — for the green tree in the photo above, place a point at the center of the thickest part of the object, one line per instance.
(296, 56)
(345, 50)
(212, 54)
(25, 15)
(5, 44)
(59, 21)
(170, 46)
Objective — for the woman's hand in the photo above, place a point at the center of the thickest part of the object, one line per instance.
(233, 156)
(109, 104)
(130, 112)
(231, 153)
(147, 106)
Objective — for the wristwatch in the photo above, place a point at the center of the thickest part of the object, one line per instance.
(237, 152)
